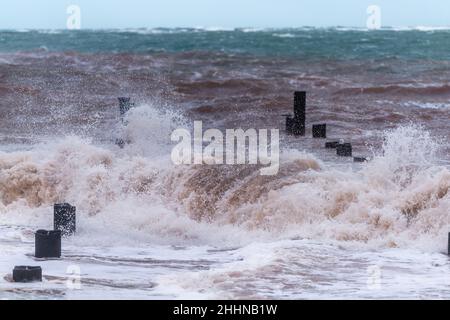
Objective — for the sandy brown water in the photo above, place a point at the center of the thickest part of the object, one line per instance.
(55, 93)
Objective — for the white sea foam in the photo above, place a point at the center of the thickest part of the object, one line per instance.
(284, 35)
(427, 105)
(399, 199)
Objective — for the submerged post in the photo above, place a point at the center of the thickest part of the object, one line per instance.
(331, 144)
(344, 150)
(120, 143)
(27, 274)
(124, 105)
(48, 244)
(319, 131)
(65, 218)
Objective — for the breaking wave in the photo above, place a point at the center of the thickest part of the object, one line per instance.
(399, 199)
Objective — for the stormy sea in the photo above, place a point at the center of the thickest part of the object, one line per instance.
(323, 227)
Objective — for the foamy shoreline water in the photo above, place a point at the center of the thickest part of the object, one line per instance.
(289, 269)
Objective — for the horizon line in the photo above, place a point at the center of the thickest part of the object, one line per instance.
(248, 28)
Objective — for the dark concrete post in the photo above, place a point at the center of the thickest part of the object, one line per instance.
(319, 131)
(449, 244)
(47, 244)
(344, 150)
(298, 122)
(27, 274)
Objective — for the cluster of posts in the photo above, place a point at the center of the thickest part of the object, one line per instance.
(296, 125)
(48, 242)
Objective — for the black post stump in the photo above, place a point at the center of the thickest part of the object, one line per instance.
(359, 159)
(344, 150)
(331, 144)
(300, 105)
(298, 127)
(65, 218)
(319, 131)
(27, 274)
(48, 244)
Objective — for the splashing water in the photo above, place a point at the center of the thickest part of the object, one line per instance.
(398, 199)
(228, 224)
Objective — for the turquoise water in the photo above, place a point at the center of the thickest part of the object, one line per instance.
(304, 43)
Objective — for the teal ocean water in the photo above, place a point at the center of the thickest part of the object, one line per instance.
(305, 43)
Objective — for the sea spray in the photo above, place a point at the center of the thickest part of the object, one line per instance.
(401, 195)
(148, 128)
(385, 204)
(406, 151)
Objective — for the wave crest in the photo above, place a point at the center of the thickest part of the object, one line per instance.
(402, 195)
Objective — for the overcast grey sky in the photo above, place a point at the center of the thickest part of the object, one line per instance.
(51, 14)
